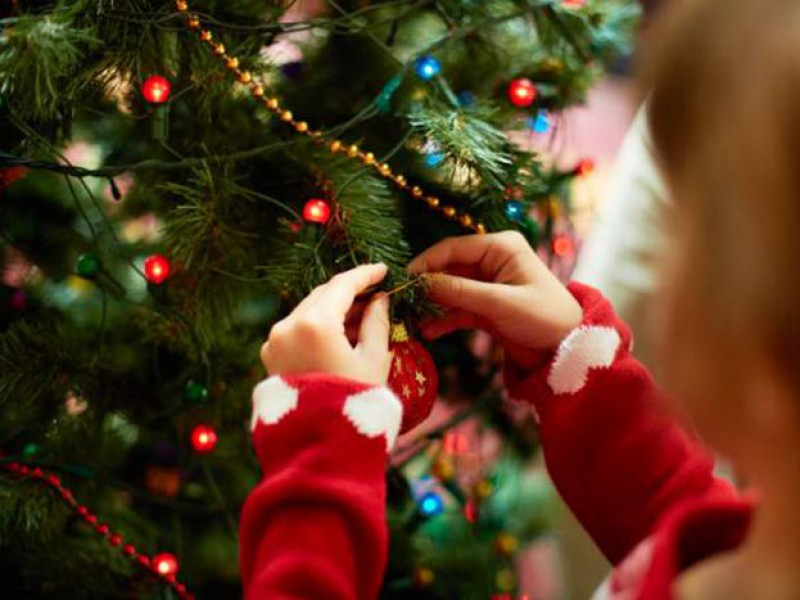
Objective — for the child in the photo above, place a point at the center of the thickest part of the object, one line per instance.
(723, 110)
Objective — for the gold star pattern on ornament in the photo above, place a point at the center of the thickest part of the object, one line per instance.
(421, 379)
(398, 364)
(406, 392)
(272, 104)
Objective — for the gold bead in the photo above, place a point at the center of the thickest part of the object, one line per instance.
(368, 158)
(352, 151)
(480, 228)
(432, 201)
(335, 146)
(219, 49)
(193, 22)
(245, 77)
(206, 35)
(287, 116)
(483, 489)
(257, 91)
(182, 5)
(416, 191)
(506, 544)
(271, 103)
(232, 62)
(449, 212)
(423, 577)
(443, 469)
(400, 180)
(385, 169)
(466, 220)
(301, 126)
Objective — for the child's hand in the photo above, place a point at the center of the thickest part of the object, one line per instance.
(497, 282)
(313, 337)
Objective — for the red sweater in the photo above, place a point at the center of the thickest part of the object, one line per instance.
(638, 482)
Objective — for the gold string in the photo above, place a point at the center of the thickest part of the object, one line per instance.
(272, 104)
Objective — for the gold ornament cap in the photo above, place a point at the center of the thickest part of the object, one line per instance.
(398, 333)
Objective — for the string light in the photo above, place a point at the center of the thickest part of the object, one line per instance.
(156, 89)
(88, 265)
(431, 504)
(317, 211)
(156, 269)
(522, 92)
(515, 210)
(542, 122)
(165, 563)
(427, 67)
(203, 439)
(334, 146)
(585, 167)
(563, 246)
(115, 539)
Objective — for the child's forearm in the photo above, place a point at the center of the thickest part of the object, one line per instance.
(315, 526)
(617, 456)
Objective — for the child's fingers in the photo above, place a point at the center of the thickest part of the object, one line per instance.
(373, 337)
(466, 250)
(459, 292)
(336, 297)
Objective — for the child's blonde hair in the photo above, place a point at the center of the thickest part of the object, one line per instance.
(724, 110)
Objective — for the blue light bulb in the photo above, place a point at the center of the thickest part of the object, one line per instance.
(466, 98)
(431, 504)
(427, 67)
(434, 159)
(515, 210)
(542, 122)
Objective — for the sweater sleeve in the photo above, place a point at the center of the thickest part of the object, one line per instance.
(315, 525)
(617, 456)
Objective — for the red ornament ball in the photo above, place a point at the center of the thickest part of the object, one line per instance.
(165, 564)
(156, 89)
(203, 439)
(413, 377)
(522, 92)
(317, 211)
(156, 269)
(574, 3)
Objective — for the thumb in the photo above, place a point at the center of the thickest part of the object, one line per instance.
(373, 337)
(474, 296)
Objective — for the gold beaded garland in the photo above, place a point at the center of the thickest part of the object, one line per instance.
(336, 146)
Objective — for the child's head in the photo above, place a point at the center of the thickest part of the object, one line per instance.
(725, 119)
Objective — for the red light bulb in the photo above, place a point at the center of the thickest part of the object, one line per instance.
(585, 167)
(573, 3)
(204, 439)
(155, 89)
(317, 211)
(165, 564)
(563, 246)
(522, 92)
(156, 269)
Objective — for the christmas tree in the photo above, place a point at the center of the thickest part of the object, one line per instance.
(174, 177)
